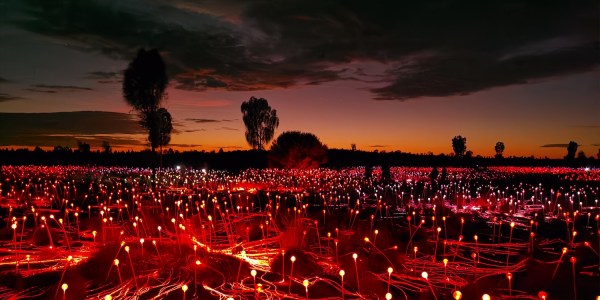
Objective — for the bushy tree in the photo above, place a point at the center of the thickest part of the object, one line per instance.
(459, 145)
(571, 150)
(297, 150)
(499, 148)
(107, 147)
(160, 125)
(83, 147)
(260, 120)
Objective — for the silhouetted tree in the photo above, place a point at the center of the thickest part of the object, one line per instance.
(353, 147)
(581, 155)
(160, 124)
(469, 154)
(144, 85)
(571, 150)
(260, 120)
(499, 149)
(598, 154)
(459, 145)
(297, 150)
(106, 146)
(83, 147)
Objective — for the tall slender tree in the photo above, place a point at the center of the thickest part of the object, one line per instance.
(144, 86)
(260, 120)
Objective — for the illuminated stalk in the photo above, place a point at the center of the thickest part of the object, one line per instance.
(62, 275)
(282, 265)
(457, 247)
(425, 276)
(253, 273)
(132, 268)
(305, 283)
(116, 262)
(355, 256)
(318, 236)
(196, 276)
(415, 249)
(564, 250)
(390, 270)
(240, 268)
(445, 231)
(509, 277)
(292, 259)
(573, 261)
(409, 235)
(512, 225)
(157, 252)
(336, 251)
(437, 241)
(64, 288)
(445, 271)
(184, 288)
(342, 273)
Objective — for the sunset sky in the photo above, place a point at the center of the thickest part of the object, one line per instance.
(386, 75)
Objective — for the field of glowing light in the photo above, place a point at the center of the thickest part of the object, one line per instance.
(123, 233)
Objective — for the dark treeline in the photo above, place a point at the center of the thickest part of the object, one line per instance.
(243, 159)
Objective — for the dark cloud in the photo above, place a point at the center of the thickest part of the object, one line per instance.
(185, 145)
(7, 97)
(4, 80)
(440, 48)
(51, 89)
(209, 120)
(106, 77)
(47, 129)
(554, 146)
(227, 128)
(192, 130)
(378, 146)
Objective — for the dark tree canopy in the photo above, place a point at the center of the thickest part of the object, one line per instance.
(83, 147)
(160, 126)
(106, 146)
(144, 86)
(297, 150)
(571, 150)
(499, 149)
(459, 145)
(260, 121)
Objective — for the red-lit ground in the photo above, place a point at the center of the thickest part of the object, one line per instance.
(79, 232)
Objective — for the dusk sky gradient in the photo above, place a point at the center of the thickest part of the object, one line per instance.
(386, 75)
